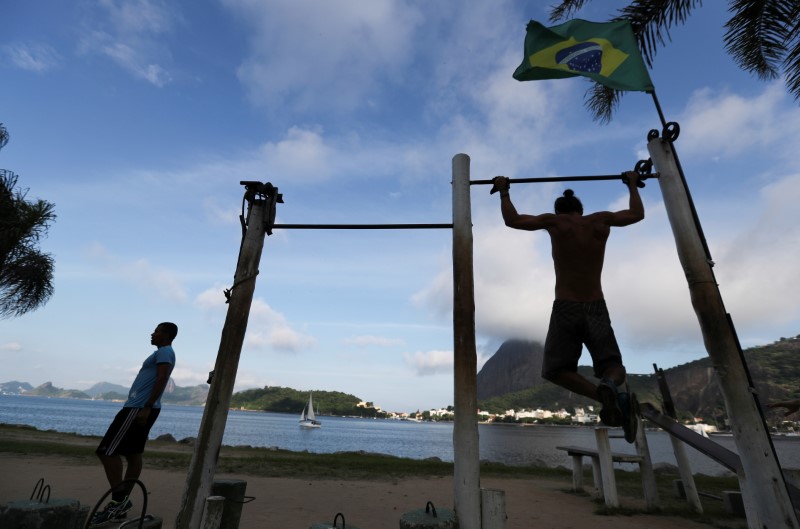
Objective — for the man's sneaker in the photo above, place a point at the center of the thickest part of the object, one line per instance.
(115, 510)
(630, 411)
(610, 414)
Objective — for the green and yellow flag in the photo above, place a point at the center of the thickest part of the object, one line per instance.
(605, 52)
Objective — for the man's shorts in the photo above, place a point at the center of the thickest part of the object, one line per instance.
(572, 324)
(125, 436)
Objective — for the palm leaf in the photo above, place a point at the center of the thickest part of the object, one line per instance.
(791, 64)
(651, 21)
(26, 274)
(757, 34)
(565, 9)
(3, 136)
(26, 282)
(602, 101)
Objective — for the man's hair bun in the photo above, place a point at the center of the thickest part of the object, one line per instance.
(569, 193)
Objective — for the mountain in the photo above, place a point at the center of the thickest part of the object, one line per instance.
(516, 365)
(48, 390)
(190, 396)
(106, 387)
(14, 387)
(693, 386)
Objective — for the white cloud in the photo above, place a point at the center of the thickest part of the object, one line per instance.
(127, 33)
(33, 57)
(138, 16)
(266, 327)
(370, 341)
(11, 346)
(186, 377)
(726, 124)
(430, 362)
(156, 280)
(323, 54)
(219, 214)
(303, 154)
(755, 268)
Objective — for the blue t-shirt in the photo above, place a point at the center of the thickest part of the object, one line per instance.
(143, 384)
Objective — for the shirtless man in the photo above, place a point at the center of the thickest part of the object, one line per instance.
(579, 313)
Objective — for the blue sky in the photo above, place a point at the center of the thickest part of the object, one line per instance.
(139, 118)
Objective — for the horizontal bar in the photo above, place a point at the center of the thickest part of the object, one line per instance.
(560, 179)
(359, 226)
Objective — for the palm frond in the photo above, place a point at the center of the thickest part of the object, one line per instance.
(651, 21)
(26, 282)
(566, 9)
(757, 33)
(791, 63)
(26, 274)
(602, 101)
(3, 136)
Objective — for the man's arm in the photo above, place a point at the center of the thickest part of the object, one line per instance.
(162, 377)
(635, 211)
(510, 215)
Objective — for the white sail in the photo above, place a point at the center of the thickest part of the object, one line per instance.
(311, 415)
(307, 418)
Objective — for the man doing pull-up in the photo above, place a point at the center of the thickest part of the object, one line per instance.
(579, 313)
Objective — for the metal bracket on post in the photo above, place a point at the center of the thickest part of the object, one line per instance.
(255, 190)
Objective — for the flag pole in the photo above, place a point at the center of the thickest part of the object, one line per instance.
(670, 136)
(658, 109)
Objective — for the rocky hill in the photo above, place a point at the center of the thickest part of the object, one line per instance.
(516, 366)
(189, 396)
(695, 390)
(14, 387)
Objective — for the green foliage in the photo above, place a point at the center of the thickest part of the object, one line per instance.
(288, 400)
(26, 273)
(112, 395)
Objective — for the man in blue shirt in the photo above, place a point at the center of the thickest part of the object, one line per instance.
(128, 432)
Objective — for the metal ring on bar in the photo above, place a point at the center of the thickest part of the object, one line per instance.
(671, 131)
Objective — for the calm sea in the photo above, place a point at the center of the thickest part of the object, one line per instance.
(509, 444)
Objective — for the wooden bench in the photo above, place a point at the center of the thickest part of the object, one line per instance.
(603, 459)
(578, 453)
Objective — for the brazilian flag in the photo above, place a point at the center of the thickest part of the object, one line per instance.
(605, 52)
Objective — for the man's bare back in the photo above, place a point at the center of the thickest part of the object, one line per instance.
(579, 245)
(578, 241)
(580, 316)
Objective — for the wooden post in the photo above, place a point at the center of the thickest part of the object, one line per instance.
(649, 486)
(212, 426)
(493, 509)
(685, 470)
(609, 480)
(466, 459)
(212, 514)
(761, 482)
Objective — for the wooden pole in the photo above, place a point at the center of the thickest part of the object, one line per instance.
(649, 485)
(685, 471)
(212, 426)
(466, 474)
(609, 480)
(764, 491)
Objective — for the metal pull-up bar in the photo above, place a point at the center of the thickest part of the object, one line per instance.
(360, 226)
(642, 178)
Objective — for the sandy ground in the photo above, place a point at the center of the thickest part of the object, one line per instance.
(301, 503)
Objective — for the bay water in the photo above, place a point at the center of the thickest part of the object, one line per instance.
(502, 443)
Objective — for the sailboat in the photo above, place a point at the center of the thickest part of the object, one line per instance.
(307, 417)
